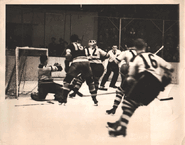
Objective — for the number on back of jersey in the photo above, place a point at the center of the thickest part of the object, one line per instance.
(149, 61)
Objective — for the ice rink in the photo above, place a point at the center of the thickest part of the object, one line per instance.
(80, 122)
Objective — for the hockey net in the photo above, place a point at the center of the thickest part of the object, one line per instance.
(22, 79)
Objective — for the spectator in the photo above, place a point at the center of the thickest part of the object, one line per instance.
(11, 43)
(52, 47)
(61, 47)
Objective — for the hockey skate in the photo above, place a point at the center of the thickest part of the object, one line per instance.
(115, 87)
(116, 133)
(62, 101)
(72, 95)
(102, 88)
(95, 100)
(114, 125)
(111, 111)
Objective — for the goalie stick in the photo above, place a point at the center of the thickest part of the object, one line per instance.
(33, 104)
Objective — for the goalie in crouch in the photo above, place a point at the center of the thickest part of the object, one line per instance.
(45, 81)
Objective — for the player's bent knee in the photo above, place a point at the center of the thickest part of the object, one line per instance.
(89, 80)
(68, 79)
(130, 80)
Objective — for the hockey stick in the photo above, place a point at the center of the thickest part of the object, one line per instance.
(99, 94)
(32, 104)
(165, 99)
(159, 49)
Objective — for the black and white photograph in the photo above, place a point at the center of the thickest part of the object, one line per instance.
(91, 72)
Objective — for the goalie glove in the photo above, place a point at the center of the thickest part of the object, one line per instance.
(56, 64)
(59, 68)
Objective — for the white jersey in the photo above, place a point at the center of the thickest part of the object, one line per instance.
(149, 62)
(94, 54)
(112, 55)
(126, 56)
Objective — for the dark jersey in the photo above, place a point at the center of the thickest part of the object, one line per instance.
(76, 50)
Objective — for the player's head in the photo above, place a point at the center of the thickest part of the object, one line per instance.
(44, 59)
(92, 43)
(140, 44)
(53, 39)
(114, 47)
(74, 38)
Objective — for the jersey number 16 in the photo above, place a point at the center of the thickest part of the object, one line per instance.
(152, 61)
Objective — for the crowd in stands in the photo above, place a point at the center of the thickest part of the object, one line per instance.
(109, 35)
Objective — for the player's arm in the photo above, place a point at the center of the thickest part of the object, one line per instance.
(133, 66)
(104, 55)
(165, 65)
(119, 58)
(55, 67)
(167, 75)
(68, 59)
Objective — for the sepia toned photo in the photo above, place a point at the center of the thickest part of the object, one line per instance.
(92, 73)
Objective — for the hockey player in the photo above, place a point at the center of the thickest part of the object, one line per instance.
(111, 67)
(75, 53)
(146, 73)
(94, 55)
(45, 81)
(126, 57)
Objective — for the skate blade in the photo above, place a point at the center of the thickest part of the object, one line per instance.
(64, 104)
(112, 134)
(103, 89)
(110, 114)
(50, 102)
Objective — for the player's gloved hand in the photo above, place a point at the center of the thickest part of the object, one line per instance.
(56, 64)
(59, 68)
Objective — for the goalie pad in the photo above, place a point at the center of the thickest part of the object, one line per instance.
(35, 96)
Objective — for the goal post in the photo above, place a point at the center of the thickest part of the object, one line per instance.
(19, 69)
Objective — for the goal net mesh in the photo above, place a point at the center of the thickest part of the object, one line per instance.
(25, 75)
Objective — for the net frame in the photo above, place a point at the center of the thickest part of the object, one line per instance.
(17, 62)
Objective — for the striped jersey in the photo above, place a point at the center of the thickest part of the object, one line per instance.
(94, 54)
(127, 56)
(113, 54)
(151, 63)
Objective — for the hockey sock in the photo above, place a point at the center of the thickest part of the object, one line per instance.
(119, 96)
(129, 106)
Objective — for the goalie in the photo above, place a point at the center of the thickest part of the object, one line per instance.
(45, 81)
